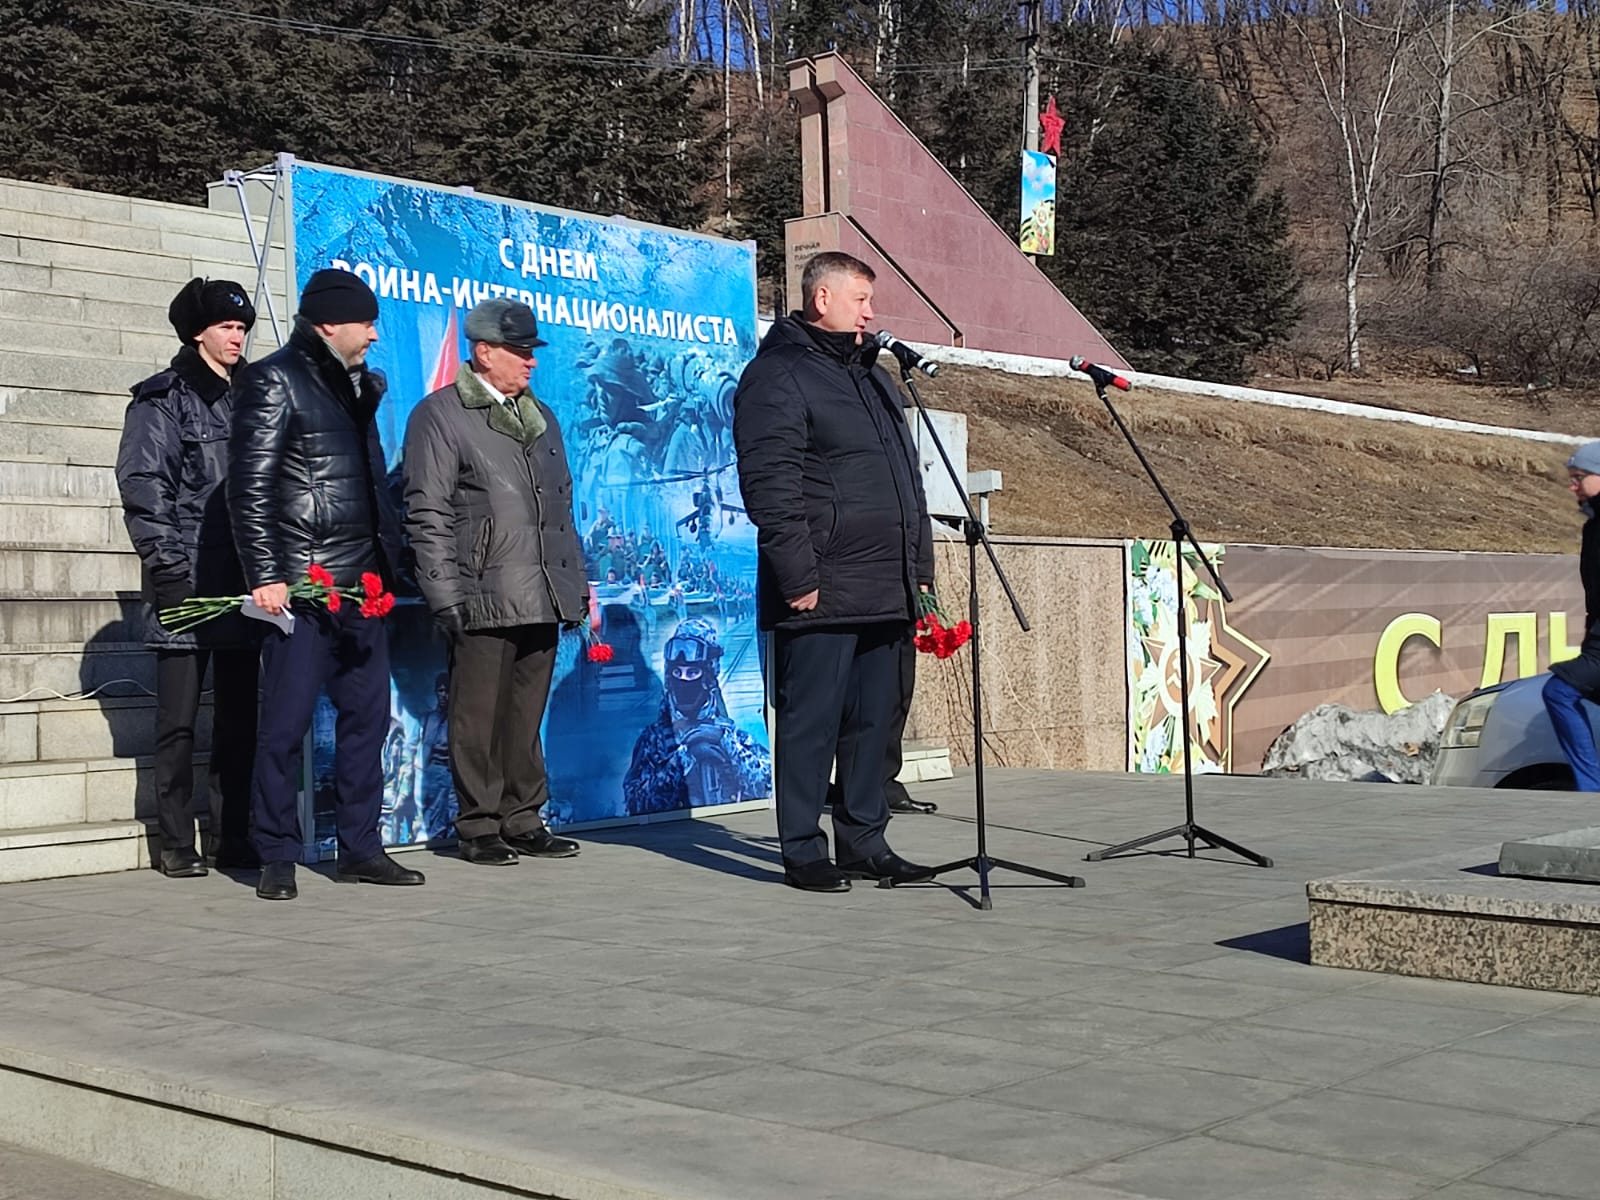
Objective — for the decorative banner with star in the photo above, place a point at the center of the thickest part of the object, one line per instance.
(1369, 629)
(1038, 230)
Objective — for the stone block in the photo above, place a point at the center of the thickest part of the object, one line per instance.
(185, 1151)
(95, 284)
(23, 478)
(49, 672)
(98, 619)
(116, 233)
(19, 196)
(177, 269)
(123, 789)
(61, 521)
(58, 372)
(23, 276)
(68, 571)
(89, 729)
(1443, 919)
(62, 851)
(50, 794)
(19, 734)
(1573, 855)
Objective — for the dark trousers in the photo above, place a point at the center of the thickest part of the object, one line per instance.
(894, 755)
(179, 675)
(499, 683)
(347, 654)
(839, 701)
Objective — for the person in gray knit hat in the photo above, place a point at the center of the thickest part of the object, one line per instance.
(1578, 679)
(488, 509)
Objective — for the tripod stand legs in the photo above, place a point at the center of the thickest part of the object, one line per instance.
(983, 864)
(1191, 833)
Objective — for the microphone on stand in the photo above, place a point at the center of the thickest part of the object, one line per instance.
(908, 358)
(1099, 376)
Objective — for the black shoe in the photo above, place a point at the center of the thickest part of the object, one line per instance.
(488, 850)
(905, 804)
(819, 876)
(380, 869)
(277, 882)
(236, 856)
(181, 864)
(886, 864)
(541, 843)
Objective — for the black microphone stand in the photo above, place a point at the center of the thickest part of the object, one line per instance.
(975, 535)
(1181, 533)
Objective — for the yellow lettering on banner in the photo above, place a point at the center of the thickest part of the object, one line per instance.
(1501, 626)
(1386, 664)
(1560, 651)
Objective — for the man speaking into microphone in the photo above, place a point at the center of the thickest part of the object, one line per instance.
(831, 482)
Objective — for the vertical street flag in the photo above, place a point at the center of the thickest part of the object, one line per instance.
(1038, 203)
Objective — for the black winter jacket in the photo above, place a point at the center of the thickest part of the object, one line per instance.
(1583, 672)
(831, 482)
(306, 481)
(488, 509)
(171, 466)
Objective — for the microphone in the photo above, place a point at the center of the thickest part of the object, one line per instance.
(908, 358)
(1099, 376)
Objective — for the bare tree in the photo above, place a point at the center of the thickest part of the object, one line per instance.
(1357, 54)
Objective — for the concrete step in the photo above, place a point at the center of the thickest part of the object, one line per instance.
(106, 342)
(46, 1177)
(28, 478)
(188, 257)
(58, 372)
(40, 620)
(114, 727)
(46, 406)
(50, 522)
(36, 277)
(47, 670)
(82, 848)
(161, 231)
(47, 794)
(25, 441)
(66, 570)
(21, 196)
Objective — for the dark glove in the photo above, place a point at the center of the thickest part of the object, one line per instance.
(706, 742)
(452, 622)
(172, 592)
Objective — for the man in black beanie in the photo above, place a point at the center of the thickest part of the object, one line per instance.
(171, 467)
(306, 486)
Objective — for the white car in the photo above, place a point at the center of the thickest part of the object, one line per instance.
(1501, 736)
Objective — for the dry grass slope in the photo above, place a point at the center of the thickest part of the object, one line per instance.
(1253, 473)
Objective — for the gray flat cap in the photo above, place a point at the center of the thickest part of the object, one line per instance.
(505, 323)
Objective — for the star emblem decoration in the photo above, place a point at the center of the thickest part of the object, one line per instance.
(1052, 123)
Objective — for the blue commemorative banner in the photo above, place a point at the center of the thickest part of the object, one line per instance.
(648, 330)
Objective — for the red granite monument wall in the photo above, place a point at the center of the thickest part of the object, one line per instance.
(947, 274)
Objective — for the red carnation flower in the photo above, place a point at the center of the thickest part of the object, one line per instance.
(319, 575)
(371, 584)
(377, 606)
(333, 601)
(599, 652)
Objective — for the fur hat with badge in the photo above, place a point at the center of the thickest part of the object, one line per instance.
(206, 302)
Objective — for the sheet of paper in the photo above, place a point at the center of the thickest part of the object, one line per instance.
(284, 620)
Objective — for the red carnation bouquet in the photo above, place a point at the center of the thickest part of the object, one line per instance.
(933, 633)
(318, 586)
(598, 651)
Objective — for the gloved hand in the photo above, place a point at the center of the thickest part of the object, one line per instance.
(707, 742)
(173, 591)
(452, 622)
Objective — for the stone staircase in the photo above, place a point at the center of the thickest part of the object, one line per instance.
(85, 280)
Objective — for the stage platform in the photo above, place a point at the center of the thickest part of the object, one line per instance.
(662, 1018)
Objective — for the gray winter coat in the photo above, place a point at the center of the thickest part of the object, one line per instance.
(488, 500)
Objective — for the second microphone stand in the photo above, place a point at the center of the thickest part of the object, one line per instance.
(977, 535)
(1189, 831)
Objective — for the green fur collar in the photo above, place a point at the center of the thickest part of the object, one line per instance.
(474, 394)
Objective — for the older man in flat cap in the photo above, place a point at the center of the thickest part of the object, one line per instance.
(488, 496)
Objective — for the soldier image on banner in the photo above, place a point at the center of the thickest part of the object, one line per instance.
(693, 754)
